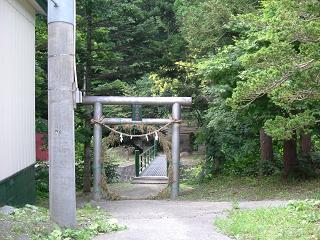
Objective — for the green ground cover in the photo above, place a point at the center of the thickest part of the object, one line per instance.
(33, 223)
(299, 220)
(228, 188)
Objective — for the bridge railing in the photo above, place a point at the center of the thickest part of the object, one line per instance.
(143, 160)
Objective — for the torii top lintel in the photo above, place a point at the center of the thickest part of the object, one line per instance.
(110, 100)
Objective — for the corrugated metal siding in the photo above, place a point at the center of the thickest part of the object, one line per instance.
(17, 73)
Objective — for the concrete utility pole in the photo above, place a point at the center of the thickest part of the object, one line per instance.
(61, 52)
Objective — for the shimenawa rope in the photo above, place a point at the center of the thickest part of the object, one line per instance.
(155, 132)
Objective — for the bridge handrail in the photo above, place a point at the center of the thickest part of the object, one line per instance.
(143, 160)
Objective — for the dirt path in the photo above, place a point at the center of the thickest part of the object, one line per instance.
(171, 220)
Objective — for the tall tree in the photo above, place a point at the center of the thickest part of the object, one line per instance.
(280, 62)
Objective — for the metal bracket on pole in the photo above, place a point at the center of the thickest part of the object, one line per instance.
(77, 96)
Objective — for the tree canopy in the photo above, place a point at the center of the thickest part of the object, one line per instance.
(249, 66)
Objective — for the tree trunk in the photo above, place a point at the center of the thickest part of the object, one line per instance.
(290, 156)
(88, 70)
(87, 83)
(305, 145)
(87, 168)
(266, 151)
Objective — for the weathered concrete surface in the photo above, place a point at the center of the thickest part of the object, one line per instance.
(171, 220)
(137, 191)
(126, 173)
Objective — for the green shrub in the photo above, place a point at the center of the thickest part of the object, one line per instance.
(241, 167)
(197, 174)
(42, 179)
(111, 172)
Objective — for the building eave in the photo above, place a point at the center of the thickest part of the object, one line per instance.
(40, 6)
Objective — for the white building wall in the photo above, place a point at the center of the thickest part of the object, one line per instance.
(17, 84)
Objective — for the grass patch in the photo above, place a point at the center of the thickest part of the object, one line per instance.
(227, 188)
(299, 220)
(33, 223)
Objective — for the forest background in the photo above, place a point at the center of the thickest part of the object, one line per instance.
(252, 68)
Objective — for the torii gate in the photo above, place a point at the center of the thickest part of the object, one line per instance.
(99, 101)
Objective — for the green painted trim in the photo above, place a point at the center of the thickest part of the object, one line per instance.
(19, 189)
(43, 4)
(137, 162)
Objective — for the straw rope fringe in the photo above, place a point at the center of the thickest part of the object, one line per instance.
(100, 121)
(163, 140)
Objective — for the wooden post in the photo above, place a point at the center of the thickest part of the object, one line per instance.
(62, 190)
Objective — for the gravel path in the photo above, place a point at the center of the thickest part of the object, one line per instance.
(171, 220)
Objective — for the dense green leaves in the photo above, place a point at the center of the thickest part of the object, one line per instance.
(204, 23)
(247, 64)
(259, 68)
(281, 62)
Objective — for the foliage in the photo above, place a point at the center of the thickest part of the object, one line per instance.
(41, 125)
(79, 165)
(40, 67)
(117, 45)
(247, 64)
(204, 23)
(299, 220)
(257, 69)
(282, 128)
(230, 136)
(280, 62)
(250, 166)
(111, 173)
(42, 173)
(33, 222)
(42, 179)
(123, 41)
